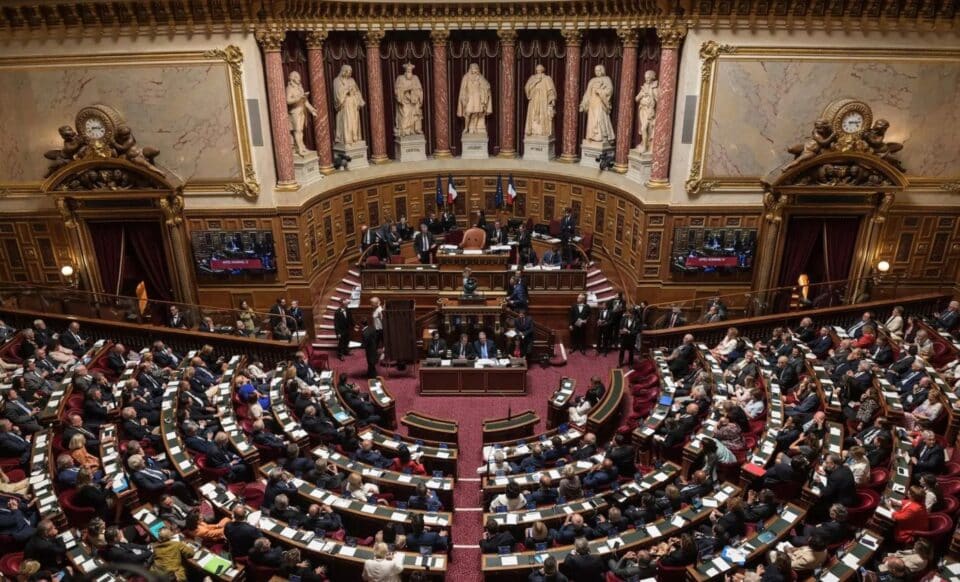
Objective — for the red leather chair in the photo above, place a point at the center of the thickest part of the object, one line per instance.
(950, 488)
(252, 493)
(867, 502)
(645, 367)
(210, 473)
(941, 525)
(671, 572)
(941, 354)
(258, 572)
(951, 469)
(10, 565)
(878, 478)
(611, 577)
(950, 506)
(76, 515)
(554, 228)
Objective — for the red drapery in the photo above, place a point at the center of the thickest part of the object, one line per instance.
(821, 247)
(108, 244)
(145, 245)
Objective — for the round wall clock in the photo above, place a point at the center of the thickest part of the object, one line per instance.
(98, 123)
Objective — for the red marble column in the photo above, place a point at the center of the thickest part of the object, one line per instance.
(441, 99)
(508, 87)
(571, 95)
(318, 98)
(279, 119)
(625, 107)
(670, 39)
(378, 140)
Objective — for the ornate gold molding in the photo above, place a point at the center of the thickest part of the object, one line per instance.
(439, 36)
(172, 208)
(316, 38)
(671, 34)
(712, 53)
(373, 38)
(628, 36)
(67, 213)
(245, 184)
(507, 36)
(270, 40)
(572, 36)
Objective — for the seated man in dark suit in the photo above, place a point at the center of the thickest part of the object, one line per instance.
(116, 360)
(322, 519)
(240, 534)
(822, 344)
(437, 348)
(682, 356)
(484, 348)
(421, 536)
(839, 488)
(698, 486)
(928, 456)
(545, 494)
(45, 547)
(118, 550)
(552, 257)
(949, 318)
(73, 340)
(581, 565)
(15, 521)
(12, 443)
(601, 475)
(369, 455)
(264, 438)
(496, 537)
(21, 414)
(833, 531)
(575, 527)
(497, 234)
(221, 457)
(463, 349)
(425, 499)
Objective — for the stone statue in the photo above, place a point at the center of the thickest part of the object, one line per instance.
(297, 107)
(409, 94)
(475, 101)
(347, 101)
(542, 96)
(821, 138)
(597, 102)
(647, 100)
(127, 148)
(874, 139)
(73, 147)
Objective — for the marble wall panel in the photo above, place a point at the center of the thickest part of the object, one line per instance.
(762, 105)
(183, 109)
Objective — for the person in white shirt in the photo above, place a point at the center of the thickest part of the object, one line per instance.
(382, 568)
(361, 491)
(755, 405)
(512, 499)
(727, 344)
(894, 324)
(499, 463)
(377, 317)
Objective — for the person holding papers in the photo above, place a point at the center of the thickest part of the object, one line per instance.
(579, 316)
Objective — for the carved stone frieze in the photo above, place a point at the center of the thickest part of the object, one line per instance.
(840, 174)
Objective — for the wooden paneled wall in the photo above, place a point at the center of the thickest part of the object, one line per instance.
(32, 249)
(922, 245)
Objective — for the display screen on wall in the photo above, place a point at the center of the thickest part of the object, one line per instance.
(713, 250)
(219, 253)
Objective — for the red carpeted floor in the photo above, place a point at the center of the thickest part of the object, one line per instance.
(470, 412)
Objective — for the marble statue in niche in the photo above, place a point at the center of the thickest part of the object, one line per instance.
(542, 97)
(646, 101)
(409, 94)
(475, 101)
(597, 102)
(347, 101)
(297, 107)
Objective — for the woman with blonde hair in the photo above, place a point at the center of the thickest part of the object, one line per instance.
(78, 450)
(859, 465)
(926, 412)
(727, 345)
(570, 485)
(361, 491)
(249, 318)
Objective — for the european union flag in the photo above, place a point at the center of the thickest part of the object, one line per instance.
(440, 197)
(498, 199)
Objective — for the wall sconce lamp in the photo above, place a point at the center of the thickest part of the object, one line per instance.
(69, 275)
(883, 267)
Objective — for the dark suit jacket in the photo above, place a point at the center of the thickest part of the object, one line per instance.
(418, 245)
(589, 568)
(125, 553)
(498, 237)
(840, 488)
(148, 482)
(342, 322)
(51, 553)
(491, 348)
(68, 340)
(788, 377)
(463, 350)
(370, 344)
(436, 348)
(241, 535)
(821, 345)
(116, 363)
(930, 460)
(16, 414)
(13, 445)
(579, 312)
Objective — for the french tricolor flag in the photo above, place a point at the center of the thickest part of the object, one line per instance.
(451, 191)
(511, 189)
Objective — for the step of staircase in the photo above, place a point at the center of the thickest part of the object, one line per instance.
(594, 273)
(344, 290)
(604, 290)
(325, 326)
(596, 282)
(325, 345)
(351, 282)
(328, 316)
(327, 337)
(604, 298)
(354, 272)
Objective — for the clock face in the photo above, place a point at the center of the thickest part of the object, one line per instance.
(94, 128)
(852, 122)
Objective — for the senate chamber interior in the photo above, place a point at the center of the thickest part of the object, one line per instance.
(555, 290)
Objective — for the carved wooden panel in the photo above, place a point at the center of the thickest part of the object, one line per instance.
(921, 245)
(32, 250)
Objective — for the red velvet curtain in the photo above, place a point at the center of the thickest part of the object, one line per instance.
(107, 238)
(839, 242)
(600, 47)
(465, 48)
(397, 49)
(145, 246)
(821, 247)
(294, 55)
(346, 48)
(539, 47)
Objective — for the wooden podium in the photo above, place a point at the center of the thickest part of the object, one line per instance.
(399, 331)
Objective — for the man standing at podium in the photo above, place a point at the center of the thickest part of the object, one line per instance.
(423, 242)
(342, 326)
(579, 316)
(485, 348)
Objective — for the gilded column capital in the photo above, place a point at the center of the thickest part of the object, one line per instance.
(671, 35)
(373, 38)
(315, 38)
(628, 37)
(571, 36)
(440, 36)
(507, 36)
(270, 40)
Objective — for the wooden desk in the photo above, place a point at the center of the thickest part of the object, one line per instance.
(603, 417)
(291, 428)
(147, 518)
(43, 469)
(516, 426)
(476, 262)
(83, 560)
(557, 407)
(176, 451)
(53, 411)
(469, 381)
(435, 456)
(114, 468)
(383, 401)
(516, 450)
(424, 426)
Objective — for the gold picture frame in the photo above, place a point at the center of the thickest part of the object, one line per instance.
(231, 57)
(712, 53)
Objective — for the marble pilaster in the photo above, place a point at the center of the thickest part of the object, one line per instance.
(571, 95)
(318, 98)
(378, 130)
(671, 36)
(508, 84)
(279, 119)
(625, 105)
(441, 100)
